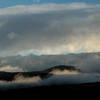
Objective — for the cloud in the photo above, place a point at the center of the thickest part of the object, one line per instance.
(22, 79)
(3, 61)
(50, 29)
(71, 79)
(9, 68)
(12, 35)
(36, 1)
(41, 8)
(56, 79)
(64, 72)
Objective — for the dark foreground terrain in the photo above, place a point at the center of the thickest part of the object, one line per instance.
(68, 91)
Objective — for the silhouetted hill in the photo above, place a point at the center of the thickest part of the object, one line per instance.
(9, 76)
(62, 67)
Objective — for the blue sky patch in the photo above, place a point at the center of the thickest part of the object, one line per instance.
(8, 3)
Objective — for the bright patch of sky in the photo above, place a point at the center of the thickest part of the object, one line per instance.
(8, 3)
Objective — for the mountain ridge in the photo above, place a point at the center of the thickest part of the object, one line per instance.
(9, 76)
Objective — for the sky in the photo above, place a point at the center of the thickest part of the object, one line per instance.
(8, 3)
(49, 26)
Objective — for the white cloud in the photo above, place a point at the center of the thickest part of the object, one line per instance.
(40, 8)
(9, 68)
(64, 72)
(22, 79)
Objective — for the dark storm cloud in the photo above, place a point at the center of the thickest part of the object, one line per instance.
(54, 31)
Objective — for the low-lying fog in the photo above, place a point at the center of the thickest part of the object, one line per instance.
(58, 78)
